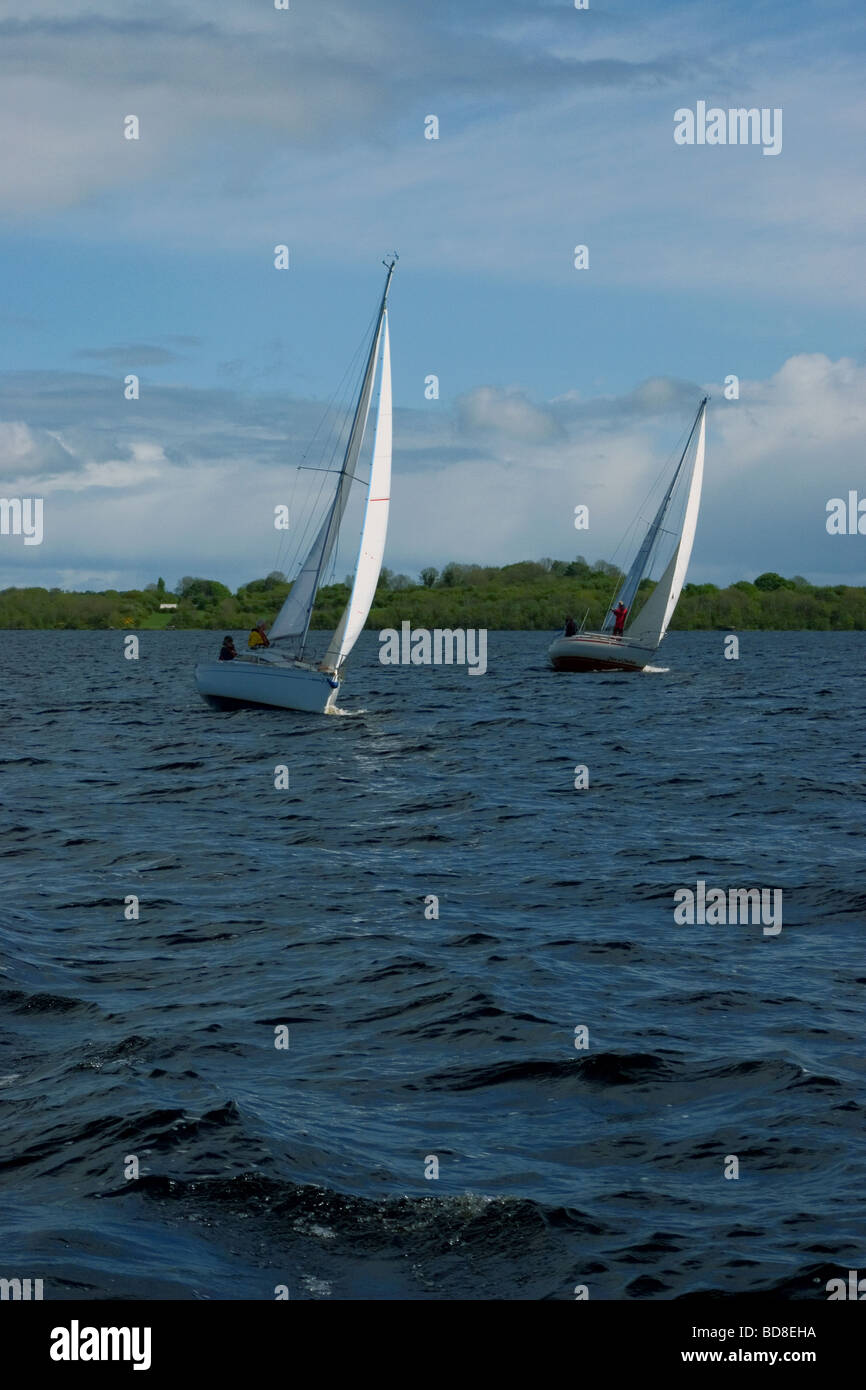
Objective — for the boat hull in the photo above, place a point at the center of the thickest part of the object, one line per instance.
(239, 682)
(597, 651)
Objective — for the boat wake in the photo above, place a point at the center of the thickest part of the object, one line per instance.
(655, 670)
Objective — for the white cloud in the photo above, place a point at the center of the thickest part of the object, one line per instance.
(556, 129)
(30, 454)
(197, 496)
(507, 412)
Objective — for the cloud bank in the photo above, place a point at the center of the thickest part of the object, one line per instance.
(189, 484)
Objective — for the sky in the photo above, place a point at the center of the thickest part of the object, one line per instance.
(557, 386)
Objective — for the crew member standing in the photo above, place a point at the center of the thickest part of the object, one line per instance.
(619, 617)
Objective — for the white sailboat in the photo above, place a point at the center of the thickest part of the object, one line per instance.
(278, 675)
(604, 650)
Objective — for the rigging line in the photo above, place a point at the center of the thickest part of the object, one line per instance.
(664, 472)
(298, 539)
(677, 452)
(632, 527)
(339, 436)
(340, 392)
(308, 468)
(313, 507)
(353, 374)
(286, 545)
(338, 396)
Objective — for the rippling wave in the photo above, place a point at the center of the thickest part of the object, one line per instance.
(431, 1131)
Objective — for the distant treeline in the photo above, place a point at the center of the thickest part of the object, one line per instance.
(531, 594)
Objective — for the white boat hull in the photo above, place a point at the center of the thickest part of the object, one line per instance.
(598, 651)
(294, 686)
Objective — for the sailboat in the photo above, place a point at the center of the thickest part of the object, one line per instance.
(278, 675)
(635, 648)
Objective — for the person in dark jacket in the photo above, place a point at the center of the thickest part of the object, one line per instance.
(570, 627)
(619, 616)
(227, 650)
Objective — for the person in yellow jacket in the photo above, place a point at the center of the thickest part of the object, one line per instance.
(258, 637)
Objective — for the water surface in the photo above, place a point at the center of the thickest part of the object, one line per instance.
(414, 1038)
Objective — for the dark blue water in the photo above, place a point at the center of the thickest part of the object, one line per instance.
(413, 1038)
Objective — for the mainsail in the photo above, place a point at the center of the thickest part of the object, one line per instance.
(651, 623)
(374, 530)
(642, 563)
(293, 620)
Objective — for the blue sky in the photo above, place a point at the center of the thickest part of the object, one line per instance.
(558, 386)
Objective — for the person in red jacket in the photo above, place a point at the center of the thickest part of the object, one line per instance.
(619, 617)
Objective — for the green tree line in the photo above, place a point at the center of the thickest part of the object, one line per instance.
(532, 594)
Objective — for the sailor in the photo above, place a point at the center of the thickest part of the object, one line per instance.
(619, 617)
(227, 650)
(570, 627)
(258, 637)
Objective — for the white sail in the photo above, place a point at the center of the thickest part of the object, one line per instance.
(651, 623)
(375, 527)
(293, 618)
